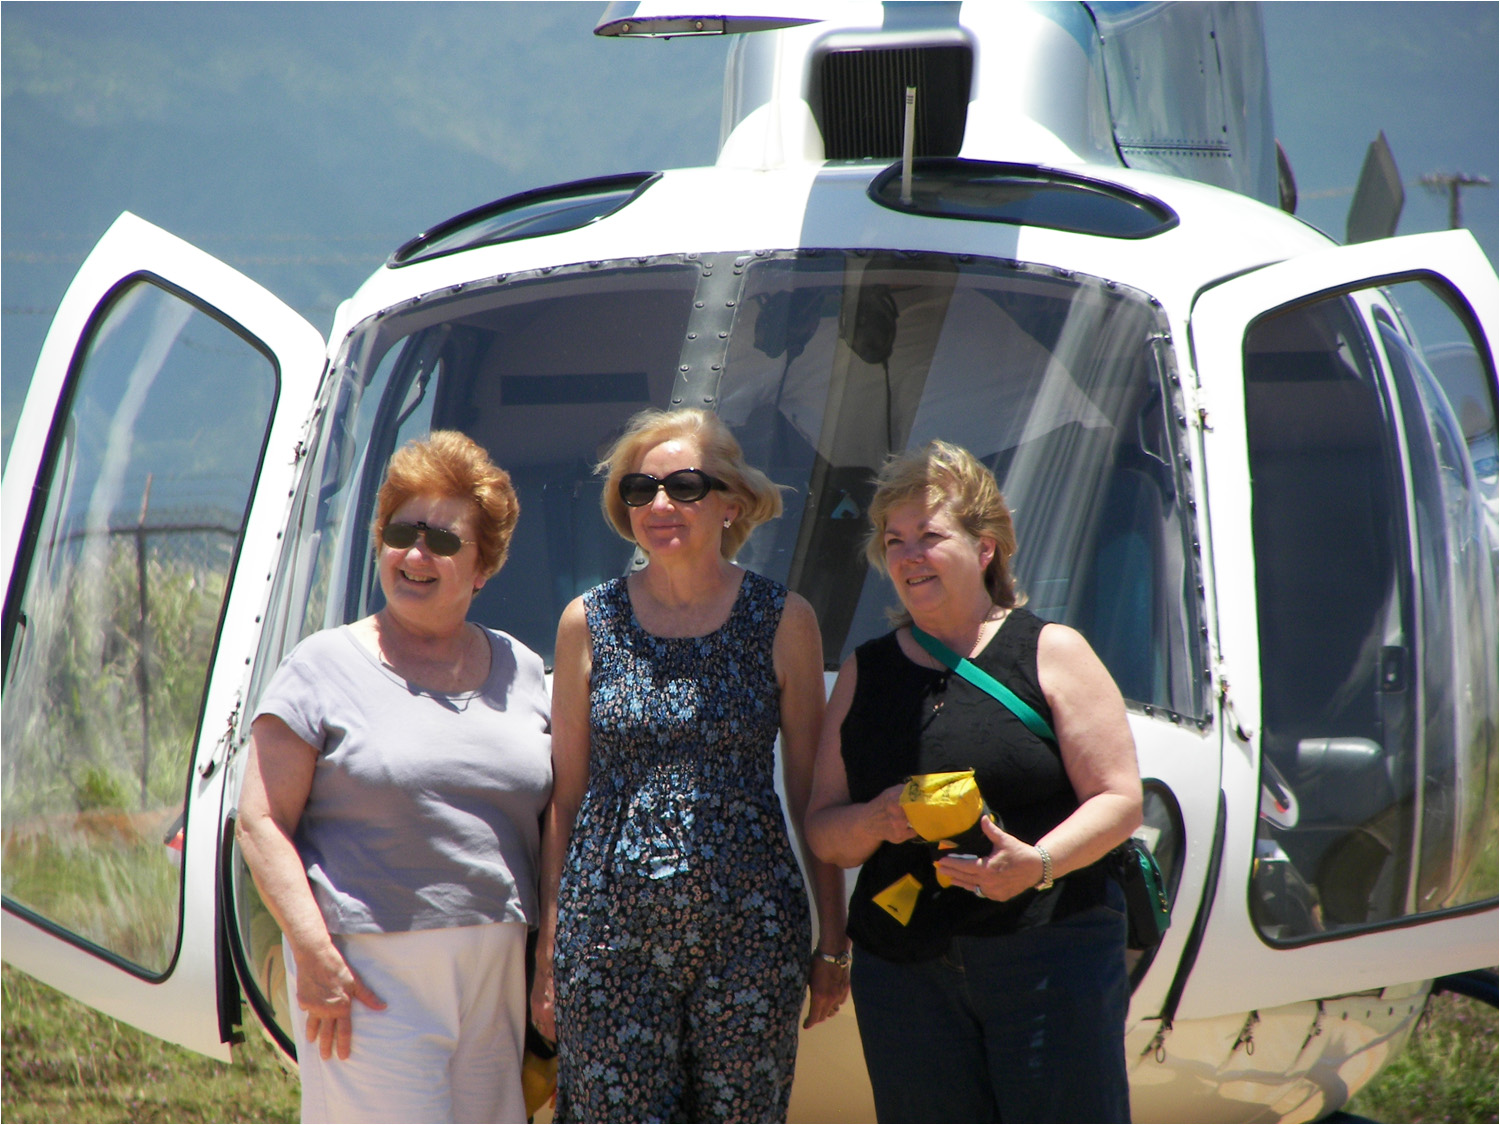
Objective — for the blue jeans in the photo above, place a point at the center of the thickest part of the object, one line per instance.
(1025, 1027)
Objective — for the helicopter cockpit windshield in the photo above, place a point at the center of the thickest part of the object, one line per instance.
(822, 363)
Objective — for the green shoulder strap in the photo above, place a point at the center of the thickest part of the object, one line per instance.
(985, 683)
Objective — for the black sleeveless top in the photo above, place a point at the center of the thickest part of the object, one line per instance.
(907, 719)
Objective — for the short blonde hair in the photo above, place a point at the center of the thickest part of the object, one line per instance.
(449, 463)
(943, 474)
(759, 498)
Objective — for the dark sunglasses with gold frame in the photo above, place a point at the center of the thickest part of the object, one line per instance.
(440, 541)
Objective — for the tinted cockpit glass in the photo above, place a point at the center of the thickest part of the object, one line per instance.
(822, 363)
(527, 215)
(1053, 382)
(1024, 195)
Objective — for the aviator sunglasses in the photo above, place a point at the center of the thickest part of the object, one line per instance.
(684, 486)
(440, 541)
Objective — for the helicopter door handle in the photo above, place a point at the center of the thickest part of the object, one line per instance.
(1393, 664)
(222, 747)
(1231, 717)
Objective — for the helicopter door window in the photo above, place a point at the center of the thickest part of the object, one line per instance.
(149, 481)
(1376, 758)
(1333, 598)
(1456, 792)
(1437, 323)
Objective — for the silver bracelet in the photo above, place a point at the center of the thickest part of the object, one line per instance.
(1046, 882)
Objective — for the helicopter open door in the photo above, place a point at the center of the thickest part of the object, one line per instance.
(1350, 491)
(144, 498)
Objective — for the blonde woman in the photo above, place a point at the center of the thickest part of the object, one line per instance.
(674, 953)
(1000, 997)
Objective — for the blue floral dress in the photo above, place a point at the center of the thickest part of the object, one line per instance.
(683, 929)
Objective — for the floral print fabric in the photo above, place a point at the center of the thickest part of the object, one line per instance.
(683, 928)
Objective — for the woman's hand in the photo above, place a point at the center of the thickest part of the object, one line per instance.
(829, 988)
(543, 1000)
(887, 819)
(1012, 867)
(278, 778)
(326, 990)
(797, 653)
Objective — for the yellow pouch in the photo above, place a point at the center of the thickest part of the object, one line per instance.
(945, 809)
(538, 1073)
(900, 898)
(942, 805)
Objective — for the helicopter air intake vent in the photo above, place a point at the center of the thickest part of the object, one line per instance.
(861, 101)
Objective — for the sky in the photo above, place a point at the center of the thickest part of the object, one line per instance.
(301, 143)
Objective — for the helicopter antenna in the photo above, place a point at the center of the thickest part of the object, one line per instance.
(908, 143)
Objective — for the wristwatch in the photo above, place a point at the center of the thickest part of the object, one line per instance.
(1046, 883)
(838, 960)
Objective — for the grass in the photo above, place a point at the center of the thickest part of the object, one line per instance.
(1446, 1073)
(65, 1062)
(118, 892)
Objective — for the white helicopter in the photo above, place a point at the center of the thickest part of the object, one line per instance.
(1255, 468)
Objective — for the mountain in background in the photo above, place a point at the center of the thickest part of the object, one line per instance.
(302, 142)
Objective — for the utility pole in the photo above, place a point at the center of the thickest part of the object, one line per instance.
(1451, 182)
(143, 641)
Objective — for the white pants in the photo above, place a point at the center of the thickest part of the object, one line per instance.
(446, 1048)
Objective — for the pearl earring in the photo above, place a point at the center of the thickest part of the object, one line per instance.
(727, 522)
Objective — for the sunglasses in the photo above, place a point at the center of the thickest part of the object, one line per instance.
(684, 486)
(440, 541)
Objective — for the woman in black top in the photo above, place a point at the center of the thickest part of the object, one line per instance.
(1002, 996)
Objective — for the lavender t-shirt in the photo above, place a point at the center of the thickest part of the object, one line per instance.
(424, 805)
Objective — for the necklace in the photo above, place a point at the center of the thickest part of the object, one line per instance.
(983, 634)
(995, 616)
(441, 674)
